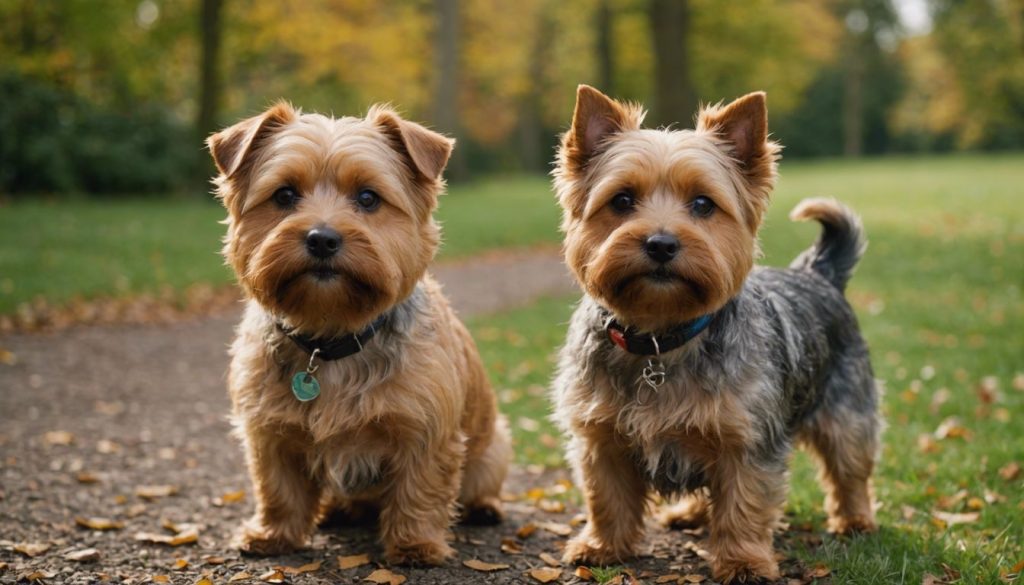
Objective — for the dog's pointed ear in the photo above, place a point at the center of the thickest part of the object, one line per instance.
(742, 124)
(428, 151)
(232, 146)
(742, 128)
(595, 118)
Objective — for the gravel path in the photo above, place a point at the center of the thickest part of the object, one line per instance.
(96, 423)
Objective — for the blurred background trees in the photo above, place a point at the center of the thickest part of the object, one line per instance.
(116, 95)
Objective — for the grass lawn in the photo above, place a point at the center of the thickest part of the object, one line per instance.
(939, 296)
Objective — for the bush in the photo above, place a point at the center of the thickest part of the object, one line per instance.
(51, 141)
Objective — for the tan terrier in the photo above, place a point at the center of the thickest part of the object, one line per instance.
(688, 371)
(354, 385)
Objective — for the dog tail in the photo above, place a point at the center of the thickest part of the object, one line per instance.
(840, 245)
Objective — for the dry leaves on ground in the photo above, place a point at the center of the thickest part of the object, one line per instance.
(152, 492)
(945, 519)
(85, 555)
(307, 568)
(483, 566)
(556, 528)
(545, 574)
(1010, 471)
(381, 576)
(31, 549)
(353, 561)
(96, 523)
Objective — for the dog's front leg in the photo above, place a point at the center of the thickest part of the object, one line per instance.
(616, 496)
(287, 496)
(747, 501)
(419, 504)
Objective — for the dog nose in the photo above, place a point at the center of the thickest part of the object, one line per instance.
(661, 247)
(323, 242)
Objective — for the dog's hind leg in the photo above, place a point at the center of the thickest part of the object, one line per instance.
(843, 436)
(483, 477)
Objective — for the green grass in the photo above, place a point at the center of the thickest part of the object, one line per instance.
(939, 295)
(61, 249)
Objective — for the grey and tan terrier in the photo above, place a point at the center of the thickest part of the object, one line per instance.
(687, 370)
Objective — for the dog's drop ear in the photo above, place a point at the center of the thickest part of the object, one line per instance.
(427, 150)
(232, 146)
(595, 119)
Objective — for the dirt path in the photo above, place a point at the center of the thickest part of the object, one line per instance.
(90, 415)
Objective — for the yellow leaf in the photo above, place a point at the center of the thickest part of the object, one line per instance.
(552, 506)
(550, 560)
(152, 492)
(511, 546)
(239, 577)
(556, 528)
(31, 549)
(546, 574)
(385, 576)
(272, 576)
(61, 438)
(307, 568)
(694, 578)
(478, 565)
(526, 530)
(204, 581)
(160, 579)
(229, 498)
(99, 523)
(353, 561)
(180, 565)
(584, 573)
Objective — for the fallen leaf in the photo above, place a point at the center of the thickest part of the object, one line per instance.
(239, 577)
(930, 579)
(59, 438)
(951, 428)
(212, 560)
(86, 477)
(187, 537)
(99, 523)
(31, 549)
(204, 581)
(511, 546)
(577, 520)
(948, 502)
(908, 512)
(556, 528)
(307, 568)
(107, 447)
(478, 565)
(272, 576)
(952, 519)
(1018, 382)
(85, 555)
(36, 576)
(551, 506)
(584, 573)
(160, 579)
(229, 498)
(694, 578)
(385, 576)
(526, 530)
(817, 572)
(353, 561)
(550, 560)
(152, 492)
(545, 574)
(975, 504)
(1010, 471)
(927, 444)
(670, 578)
(180, 565)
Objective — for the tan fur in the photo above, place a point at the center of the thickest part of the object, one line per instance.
(423, 425)
(729, 159)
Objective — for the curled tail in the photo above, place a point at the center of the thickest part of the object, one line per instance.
(840, 245)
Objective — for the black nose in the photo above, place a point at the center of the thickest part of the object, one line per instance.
(323, 242)
(661, 247)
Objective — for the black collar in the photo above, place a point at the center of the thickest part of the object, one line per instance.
(647, 343)
(339, 347)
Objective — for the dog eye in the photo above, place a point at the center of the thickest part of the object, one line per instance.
(702, 207)
(368, 200)
(623, 202)
(286, 197)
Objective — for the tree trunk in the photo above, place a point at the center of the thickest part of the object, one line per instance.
(535, 148)
(446, 89)
(209, 67)
(605, 53)
(674, 97)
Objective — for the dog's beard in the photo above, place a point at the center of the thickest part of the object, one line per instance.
(651, 295)
(341, 294)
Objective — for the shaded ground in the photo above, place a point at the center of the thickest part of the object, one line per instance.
(92, 415)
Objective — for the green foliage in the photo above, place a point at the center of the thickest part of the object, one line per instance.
(52, 141)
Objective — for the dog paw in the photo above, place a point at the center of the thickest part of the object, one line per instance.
(484, 512)
(584, 551)
(745, 571)
(257, 541)
(851, 525)
(422, 553)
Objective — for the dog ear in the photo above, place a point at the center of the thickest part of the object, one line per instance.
(595, 119)
(232, 146)
(427, 150)
(742, 126)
